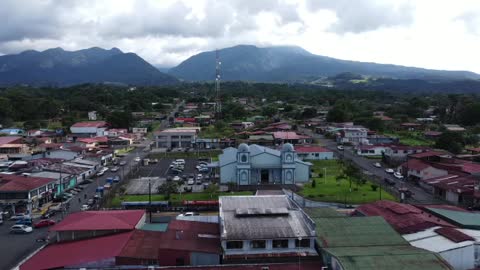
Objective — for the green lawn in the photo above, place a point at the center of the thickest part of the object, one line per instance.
(410, 138)
(329, 190)
(174, 198)
(124, 151)
(213, 133)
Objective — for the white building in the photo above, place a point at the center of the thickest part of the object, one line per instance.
(90, 128)
(92, 116)
(371, 150)
(313, 152)
(353, 135)
(176, 137)
(264, 226)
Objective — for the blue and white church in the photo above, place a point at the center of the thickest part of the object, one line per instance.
(257, 165)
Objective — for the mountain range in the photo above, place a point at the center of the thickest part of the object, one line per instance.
(58, 67)
(294, 64)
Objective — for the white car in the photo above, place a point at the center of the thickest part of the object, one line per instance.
(190, 181)
(398, 175)
(199, 176)
(85, 207)
(180, 161)
(20, 216)
(377, 164)
(388, 170)
(20, 229)
(340, 147)
(176, 178)
(188, 214)
(137, 159)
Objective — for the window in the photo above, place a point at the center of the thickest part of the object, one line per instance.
(179, 262)
(244, 158)
(234, 244)
(258, 244)
(302, 243)
(281, 243)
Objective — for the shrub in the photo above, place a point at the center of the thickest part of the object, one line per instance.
(314, 183)
(374, 187)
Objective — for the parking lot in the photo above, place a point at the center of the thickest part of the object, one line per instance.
(160, 172)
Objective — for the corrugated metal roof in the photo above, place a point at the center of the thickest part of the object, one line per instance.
(13, 183)
(77, 252)
(356, 232)
(100, 220)
(237, 227)
(387, 257)
(463, 219)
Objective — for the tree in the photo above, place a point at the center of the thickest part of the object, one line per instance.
(212, 190)
(450, 141)
(269, 111)
(314, 183)
(309, 113)
(120, 119)
(337, 114)
(167, 189)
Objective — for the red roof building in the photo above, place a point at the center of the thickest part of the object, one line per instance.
(96, 252)
(10, 140)
(404, 218)
(100, 220)
(102, 139)
(20, 183)
(311, 149)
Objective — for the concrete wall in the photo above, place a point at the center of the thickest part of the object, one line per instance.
(200, 258)
(313, 156)
(269, 249)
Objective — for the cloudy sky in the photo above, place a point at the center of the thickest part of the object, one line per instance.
(439, 34)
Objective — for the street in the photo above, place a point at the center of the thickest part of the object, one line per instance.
(419, 195)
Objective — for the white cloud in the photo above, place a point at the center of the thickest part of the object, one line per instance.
(427, 33)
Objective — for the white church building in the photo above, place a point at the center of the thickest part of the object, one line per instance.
(256, 165)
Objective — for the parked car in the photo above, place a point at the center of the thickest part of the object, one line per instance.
(114, 169)
(190, 181)
(116, 179)
(21, 229)
(203, 170)
(101, 172)
(176, 178)
(19, 216)
(388, 170)
(122, 163)
(398, 175)
(340, 147)
(25, 221)
(137, 159)
(199, 176)
(377, 164)
(180, 161)
(90, 202)
(44, 223)
(84, 207)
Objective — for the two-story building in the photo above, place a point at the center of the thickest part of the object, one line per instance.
(397, 154)
(352, 135)
(258, 228)
(88, 129)
(176, 137)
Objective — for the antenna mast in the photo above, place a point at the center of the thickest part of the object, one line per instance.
(218, 102)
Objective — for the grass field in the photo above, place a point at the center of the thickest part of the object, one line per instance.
(213, 133)
(329, 190)
(410, 138)
(174, 198)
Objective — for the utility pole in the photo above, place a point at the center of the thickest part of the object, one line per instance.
(150, 199)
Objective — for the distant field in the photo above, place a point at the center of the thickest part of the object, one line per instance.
(329, 190)
(410, 138)
(214, 133)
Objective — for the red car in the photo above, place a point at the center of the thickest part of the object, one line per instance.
(44, 223)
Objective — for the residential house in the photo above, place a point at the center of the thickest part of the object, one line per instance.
(12, 131)
(115, 132)
(371, 150)
(454, 128)
(313, 152)
(418, 170)
(256, 165)
(176, 137)
(353, 136)
(397, 154)
(13, 145)
(282, 137)
(258, 228)
(411, 126)
(93, 142)
(432, 135)
(262, 139)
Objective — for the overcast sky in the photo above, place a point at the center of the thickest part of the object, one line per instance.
(439, 34)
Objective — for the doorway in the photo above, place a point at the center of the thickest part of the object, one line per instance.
(264, 175)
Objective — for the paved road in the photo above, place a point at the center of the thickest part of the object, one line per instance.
(419, 196)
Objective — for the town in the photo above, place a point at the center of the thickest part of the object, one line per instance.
(264, 183)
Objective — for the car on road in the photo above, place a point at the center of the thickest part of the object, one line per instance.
(340, 147)
(188, 214)
(137, 159)
(389, 170)
(21, 229)
(176, 178)
(398, 175)
(44, 223)
(116, 179)
(190, 181)
(122, 163)
(199, 176)
(84, 207)
(203, 170)
(180, 161)
(377, 164)
(406, 192)
(19, 216)
(114, 169)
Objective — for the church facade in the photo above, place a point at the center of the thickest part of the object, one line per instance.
(256, 165)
